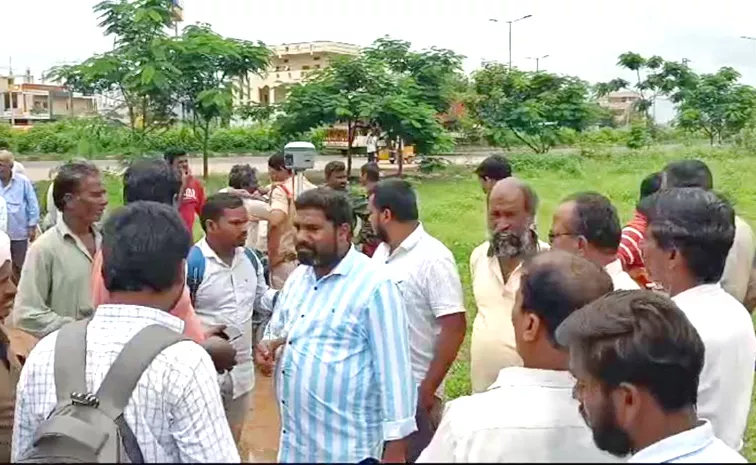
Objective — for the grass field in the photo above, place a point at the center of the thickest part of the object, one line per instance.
(452, 209)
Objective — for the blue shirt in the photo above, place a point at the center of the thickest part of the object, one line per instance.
(344, 380)
(697, 445)
(23, 209)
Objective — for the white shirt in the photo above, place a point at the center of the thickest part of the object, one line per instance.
(621, 280)
(726, 329)
(227, 296)
(697, 445)
(426, 274)
(175, 410)
(527, 415)
(371, 143)
(18, 168)
(3, 215)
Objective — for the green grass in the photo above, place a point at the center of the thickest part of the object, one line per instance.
(452, 209)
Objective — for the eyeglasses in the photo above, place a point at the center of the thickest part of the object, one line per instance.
(553, 235)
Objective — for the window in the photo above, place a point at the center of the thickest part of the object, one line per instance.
(315, 58)
(305, 67)
(286, 60)
(317, 66)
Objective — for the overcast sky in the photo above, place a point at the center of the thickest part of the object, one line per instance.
(582, 37)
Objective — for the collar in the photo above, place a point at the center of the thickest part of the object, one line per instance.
(678, 446)
(698, 291)
(208, 252)
(137, 312)
(411, 241)
(521, 376)
(614, 268)
(65, 232)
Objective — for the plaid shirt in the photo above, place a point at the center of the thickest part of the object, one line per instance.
(175, 411)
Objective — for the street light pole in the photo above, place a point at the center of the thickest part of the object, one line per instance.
(493, 20)
(538, 61)
(748, 38)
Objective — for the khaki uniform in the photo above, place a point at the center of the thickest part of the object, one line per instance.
(10, 369)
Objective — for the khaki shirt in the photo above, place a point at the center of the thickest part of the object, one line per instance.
(54, 288)
(282, 198)
(493, 340)
(10, 369)
(737, 270)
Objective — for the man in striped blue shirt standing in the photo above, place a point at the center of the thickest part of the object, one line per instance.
(339, 331)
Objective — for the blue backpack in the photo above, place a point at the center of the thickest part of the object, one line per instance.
(196, 265)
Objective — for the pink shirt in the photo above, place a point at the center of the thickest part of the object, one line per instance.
(183, 309)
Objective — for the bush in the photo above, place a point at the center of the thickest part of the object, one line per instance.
(258, 138)
(639, 137)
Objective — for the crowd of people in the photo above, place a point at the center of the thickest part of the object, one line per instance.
(602, 343)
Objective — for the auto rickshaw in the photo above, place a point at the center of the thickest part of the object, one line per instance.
(386, 153)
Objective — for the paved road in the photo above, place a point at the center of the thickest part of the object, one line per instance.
(40, 170)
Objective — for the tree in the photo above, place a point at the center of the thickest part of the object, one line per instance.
(716, 104)
(533, 106)
(654, 77)
(209, 64)
(139, 68)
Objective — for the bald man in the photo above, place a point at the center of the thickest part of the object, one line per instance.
(495, 268)
(22, 207)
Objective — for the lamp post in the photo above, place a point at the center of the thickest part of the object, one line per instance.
(748, 38)
(538, 61)
(493, 20)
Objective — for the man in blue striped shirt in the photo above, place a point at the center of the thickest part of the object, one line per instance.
(339, 331)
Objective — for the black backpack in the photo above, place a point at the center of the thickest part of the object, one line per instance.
(90, 428)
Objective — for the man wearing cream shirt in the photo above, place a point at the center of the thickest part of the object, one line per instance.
(495, 268)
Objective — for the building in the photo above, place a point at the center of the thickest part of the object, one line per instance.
(23, 103)
(621, 104)
(290, 64)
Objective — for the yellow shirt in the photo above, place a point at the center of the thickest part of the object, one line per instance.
(493, 340)
(282, 198)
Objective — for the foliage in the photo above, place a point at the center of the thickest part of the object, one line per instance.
(639, 137)
(208, 65)
(533, 106)
(716, 104)
(433, 164)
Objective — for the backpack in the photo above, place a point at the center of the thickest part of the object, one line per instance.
(86, 427)
(196, 268)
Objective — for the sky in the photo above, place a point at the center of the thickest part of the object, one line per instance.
(581, 37)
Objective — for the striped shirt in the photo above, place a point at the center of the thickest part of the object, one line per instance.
(343, 381)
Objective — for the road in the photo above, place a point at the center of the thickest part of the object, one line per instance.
(40, 170)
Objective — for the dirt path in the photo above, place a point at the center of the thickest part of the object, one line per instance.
(260, 435)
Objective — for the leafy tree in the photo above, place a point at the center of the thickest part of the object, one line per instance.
(139, 68)
(716, 104)
(533, 106)
(209, 64)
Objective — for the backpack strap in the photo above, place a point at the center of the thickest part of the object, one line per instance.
(124, 374)
(69, 366)
(252, 256)
(196, 271)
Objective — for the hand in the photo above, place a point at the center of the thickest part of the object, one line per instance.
(33, 231)
(185, 173)
(265, 357)
(395, 452)
(222, 353)
(426, 398)
(216, 331)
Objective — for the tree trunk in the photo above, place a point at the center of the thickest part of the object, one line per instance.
(350, 139)
(205, 168)
(400, 156)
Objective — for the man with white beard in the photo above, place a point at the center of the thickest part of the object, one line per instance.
(495, 268)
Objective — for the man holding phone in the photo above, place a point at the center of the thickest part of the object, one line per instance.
(227, 285)
(192, 194)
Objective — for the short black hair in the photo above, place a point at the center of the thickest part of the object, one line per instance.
(216, 204)
(69, 179)
(143, 247)
(688, 173)
(371, 171)
(398, 197)
(150, 179)
(277, 162)
(171, 154)
(596, 219)
(555, 283)
(242, 177)
(494, 167)
(698, 224)
(650, 185)
(638, 337)
(334, 204)
(334, 167)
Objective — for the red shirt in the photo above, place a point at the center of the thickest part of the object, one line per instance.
(192, 201)
(629, 251)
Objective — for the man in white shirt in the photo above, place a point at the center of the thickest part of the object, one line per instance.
(587, 224)
(529, 414)
(175, 411)
(690, 233)
(371, 146)
(426, 273)
(230, 289)
(638, 359)
(495, 269)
